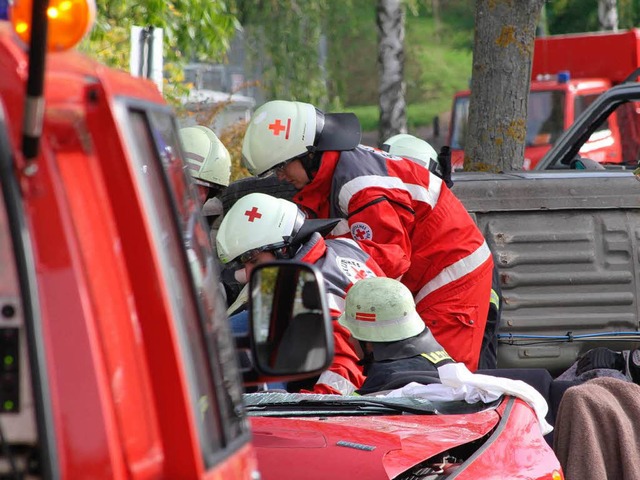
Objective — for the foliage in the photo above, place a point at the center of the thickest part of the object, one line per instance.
(575, 16)
(284, 38)
(193, 30)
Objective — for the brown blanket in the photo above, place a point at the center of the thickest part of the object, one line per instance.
(597, 431)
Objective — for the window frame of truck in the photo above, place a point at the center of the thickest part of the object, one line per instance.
(150, 134)
(603, 108)
(21, 277)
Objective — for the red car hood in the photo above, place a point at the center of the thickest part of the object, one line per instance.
(371, 447)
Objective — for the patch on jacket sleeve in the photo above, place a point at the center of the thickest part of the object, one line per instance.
(361, 231)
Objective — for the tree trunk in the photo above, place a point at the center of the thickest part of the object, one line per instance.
(390, 20)
(501, 77)
(608, 14)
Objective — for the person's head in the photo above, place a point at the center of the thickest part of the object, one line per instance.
(259, 228)
(208, 160)
(286, 137)
(380, 310)
(413, 148)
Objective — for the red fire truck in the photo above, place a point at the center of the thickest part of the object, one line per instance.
(568, 73)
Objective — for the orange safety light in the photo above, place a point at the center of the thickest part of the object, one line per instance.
(69, 21)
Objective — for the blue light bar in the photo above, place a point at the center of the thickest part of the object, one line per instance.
(564, 76)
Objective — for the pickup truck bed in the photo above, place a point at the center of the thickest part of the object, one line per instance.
(566, 245)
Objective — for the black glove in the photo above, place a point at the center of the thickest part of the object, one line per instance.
(600, 357)
(444, 160)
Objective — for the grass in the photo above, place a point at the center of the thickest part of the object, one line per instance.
(418, 114)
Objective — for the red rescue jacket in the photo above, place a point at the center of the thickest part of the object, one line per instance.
(417, 231)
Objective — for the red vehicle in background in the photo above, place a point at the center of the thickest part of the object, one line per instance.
(568, 73)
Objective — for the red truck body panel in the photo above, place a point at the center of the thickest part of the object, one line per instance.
(118, 389)
(605, 55)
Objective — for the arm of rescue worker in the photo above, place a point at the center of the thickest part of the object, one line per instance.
(344, 376)
(381, 228)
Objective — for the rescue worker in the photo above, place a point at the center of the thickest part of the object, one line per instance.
(261, 228)
(209, 164)
(381, 314)
(400, 213)
(418, 150)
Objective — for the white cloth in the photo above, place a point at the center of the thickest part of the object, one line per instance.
(458, 383)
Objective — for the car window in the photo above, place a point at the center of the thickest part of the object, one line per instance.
(580, 105)
(545, 117)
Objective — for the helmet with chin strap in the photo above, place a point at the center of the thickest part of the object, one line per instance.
(280, 131)
(259, 222)
(208, 160)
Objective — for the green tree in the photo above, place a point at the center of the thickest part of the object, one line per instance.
(284, 39)
(193, 30)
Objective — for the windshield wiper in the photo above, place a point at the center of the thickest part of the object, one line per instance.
(297, 404)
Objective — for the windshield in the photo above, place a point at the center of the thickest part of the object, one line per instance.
(545, 118)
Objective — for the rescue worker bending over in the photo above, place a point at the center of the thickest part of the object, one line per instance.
(260, 228)
(381, 314)
(403, 215)
(418, 150)
(209, 164)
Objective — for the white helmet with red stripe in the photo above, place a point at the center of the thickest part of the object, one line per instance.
(282, 130)
(208, 160)
(380, 309)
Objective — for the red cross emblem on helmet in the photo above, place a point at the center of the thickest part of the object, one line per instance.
(277, 127)
(253, 214)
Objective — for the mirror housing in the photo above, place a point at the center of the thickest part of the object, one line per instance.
(290, 331)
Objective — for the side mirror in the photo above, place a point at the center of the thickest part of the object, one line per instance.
(290, 327)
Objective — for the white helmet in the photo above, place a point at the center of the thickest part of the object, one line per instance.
(208, 160)
(411, 147)
(259, 222)
(281, 130)
(380, 309)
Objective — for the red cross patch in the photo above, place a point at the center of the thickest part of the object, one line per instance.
(361, 231)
